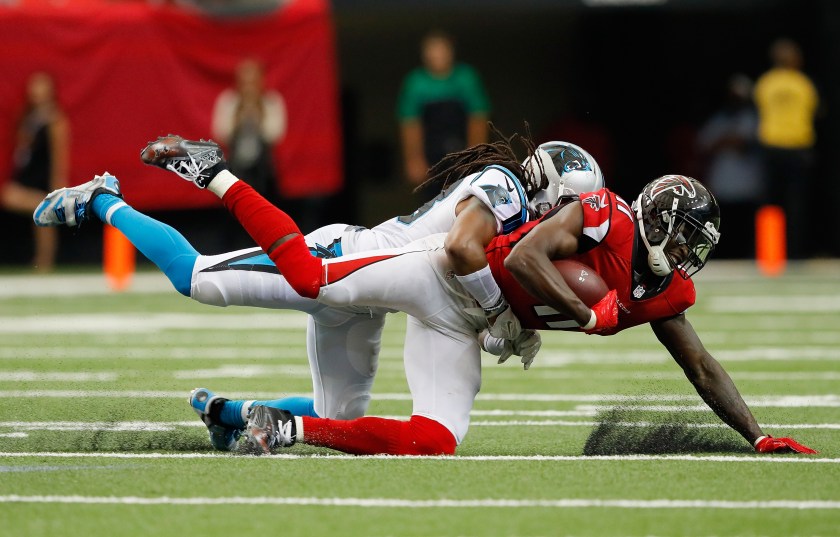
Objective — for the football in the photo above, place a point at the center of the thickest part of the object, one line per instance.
(584, 281)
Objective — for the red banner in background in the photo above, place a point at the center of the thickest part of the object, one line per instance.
(127, 73)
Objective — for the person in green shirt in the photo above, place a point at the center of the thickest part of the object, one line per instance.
(442, 107)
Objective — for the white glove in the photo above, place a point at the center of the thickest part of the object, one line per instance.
(506, 325)
(526, 345)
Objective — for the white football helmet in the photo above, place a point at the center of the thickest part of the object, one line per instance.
(569, 170)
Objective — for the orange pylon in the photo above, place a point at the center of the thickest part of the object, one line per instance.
(118, 258)
(770, 240)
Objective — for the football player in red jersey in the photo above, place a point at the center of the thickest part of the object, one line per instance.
(648, 252)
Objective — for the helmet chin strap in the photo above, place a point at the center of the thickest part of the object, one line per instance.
(657, 260)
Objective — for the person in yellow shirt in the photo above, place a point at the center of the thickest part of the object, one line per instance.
(787, 102)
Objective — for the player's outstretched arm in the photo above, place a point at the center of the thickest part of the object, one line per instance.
(715, 386)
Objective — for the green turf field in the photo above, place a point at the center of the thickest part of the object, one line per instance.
(97, 439)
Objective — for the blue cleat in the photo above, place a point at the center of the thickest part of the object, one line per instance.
(208, 406)
(71, 206)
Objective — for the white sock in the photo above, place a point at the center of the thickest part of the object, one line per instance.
(112, 209)
(221, 183)
(298, 429)
(243, 412)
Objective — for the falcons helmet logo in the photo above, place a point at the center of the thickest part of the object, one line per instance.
(677, 184)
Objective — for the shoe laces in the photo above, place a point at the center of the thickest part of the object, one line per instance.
(194, 165)
(191, 170)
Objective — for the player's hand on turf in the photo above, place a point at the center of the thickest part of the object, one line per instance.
(606, 314)
(768, 444)
(505, 325)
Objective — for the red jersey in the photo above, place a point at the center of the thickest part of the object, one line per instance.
(607, 243)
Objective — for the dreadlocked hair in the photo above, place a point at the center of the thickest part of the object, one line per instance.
(455, 166)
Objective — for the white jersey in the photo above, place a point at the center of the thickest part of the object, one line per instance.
(343, 342)
(495, 186)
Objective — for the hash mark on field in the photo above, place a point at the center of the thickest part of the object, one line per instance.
(420, 504)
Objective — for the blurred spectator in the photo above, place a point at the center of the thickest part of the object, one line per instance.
(41, 162)
(249, 120)
(728, 149)
(787, 102)
(442, 107)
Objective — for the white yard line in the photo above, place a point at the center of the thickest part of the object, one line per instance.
(295, 349)
(155, 353)
(244, 371)
(659, 355)
(787, 401)
(56, 376)
(168, 426)
(782, 459)
(774, 376)
(155, 322)
(78, 284)
(225, 371)
(559, 503)
(117, 426)
(562, 423)
(778, 305)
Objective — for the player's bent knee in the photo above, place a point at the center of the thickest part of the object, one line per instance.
(353, 407)
(429, 437)
(209, 293)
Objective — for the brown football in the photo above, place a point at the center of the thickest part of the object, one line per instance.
(585, 282)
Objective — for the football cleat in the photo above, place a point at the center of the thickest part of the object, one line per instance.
(268, 428)
(71, 206)
(208, 406)
(194, 161)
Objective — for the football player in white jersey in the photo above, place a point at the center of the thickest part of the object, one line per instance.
(481, 196)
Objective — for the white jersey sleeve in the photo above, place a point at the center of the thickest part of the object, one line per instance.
(495, 186)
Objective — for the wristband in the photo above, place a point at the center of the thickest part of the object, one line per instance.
(482, 287)
(497, 308)
(593, 320)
